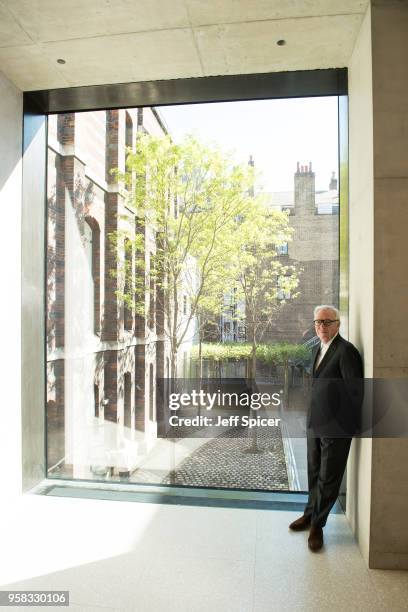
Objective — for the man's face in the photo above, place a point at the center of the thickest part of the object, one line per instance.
(326, 333)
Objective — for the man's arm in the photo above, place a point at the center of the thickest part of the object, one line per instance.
(352, 371)
(351, 364)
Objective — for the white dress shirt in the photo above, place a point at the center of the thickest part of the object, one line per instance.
(324, 347)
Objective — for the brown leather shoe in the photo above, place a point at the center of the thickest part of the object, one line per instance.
(315, 540)
(300, 524)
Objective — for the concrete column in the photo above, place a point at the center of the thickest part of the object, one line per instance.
(11, 107)
(389, 535)
(377, 477)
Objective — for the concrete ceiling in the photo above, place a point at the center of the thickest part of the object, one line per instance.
(117, 41)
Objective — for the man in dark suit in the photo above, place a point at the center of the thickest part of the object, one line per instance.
(333, 416)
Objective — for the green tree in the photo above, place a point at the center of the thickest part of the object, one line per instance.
(188, 196)
(264, 282)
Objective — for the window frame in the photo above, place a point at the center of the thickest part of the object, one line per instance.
(37, 105)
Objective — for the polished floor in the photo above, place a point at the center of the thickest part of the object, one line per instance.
(116, 555)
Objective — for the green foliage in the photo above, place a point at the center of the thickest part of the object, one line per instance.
(186, 198)
(222, 351)
(264, 281)
(272, 354)
(281, 353)
(210, 235)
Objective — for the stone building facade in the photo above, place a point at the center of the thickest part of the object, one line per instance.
(314, 248)
(103, 359)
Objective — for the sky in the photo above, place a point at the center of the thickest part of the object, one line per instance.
(277, 133)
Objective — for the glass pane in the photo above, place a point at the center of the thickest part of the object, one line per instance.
(186, 249)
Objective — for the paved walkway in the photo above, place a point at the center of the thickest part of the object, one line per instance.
(236, 461)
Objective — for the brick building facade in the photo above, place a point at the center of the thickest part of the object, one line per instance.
(314, 248)
(103, 359)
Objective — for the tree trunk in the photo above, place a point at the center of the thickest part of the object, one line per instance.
(253, 361)
(200, 359)
(173, 362)
(286, 383)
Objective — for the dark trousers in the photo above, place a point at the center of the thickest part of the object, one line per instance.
(326, 462)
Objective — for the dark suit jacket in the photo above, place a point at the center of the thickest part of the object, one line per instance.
(337, 391)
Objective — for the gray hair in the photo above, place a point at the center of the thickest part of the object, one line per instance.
(327, 307)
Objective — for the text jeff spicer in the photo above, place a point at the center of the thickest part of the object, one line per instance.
(231, 421)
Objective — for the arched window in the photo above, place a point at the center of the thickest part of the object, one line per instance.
(93, 242)
(56, 438)
(96, 401)
(152, 415)
(129, 131)
(152, 291)
(128, 314)
(127, 418)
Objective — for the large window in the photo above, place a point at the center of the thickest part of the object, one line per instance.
(188, 241)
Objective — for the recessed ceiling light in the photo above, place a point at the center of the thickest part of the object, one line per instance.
(61, 61)
(281, 42)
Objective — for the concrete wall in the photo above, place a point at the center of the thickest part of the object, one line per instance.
(10, 262)
(361, 264)
(389, 499)
(378, 95)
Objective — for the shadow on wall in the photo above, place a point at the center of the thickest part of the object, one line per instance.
(10, 128)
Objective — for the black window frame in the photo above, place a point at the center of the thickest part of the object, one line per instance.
(37, 105)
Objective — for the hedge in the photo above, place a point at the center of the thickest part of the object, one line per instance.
(278, 353)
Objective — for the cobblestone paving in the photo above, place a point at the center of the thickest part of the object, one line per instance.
(226, 462)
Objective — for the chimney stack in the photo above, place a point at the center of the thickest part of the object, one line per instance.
(304, 189)
(333, 182)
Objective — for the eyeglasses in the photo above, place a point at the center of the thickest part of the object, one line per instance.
(324, 322)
